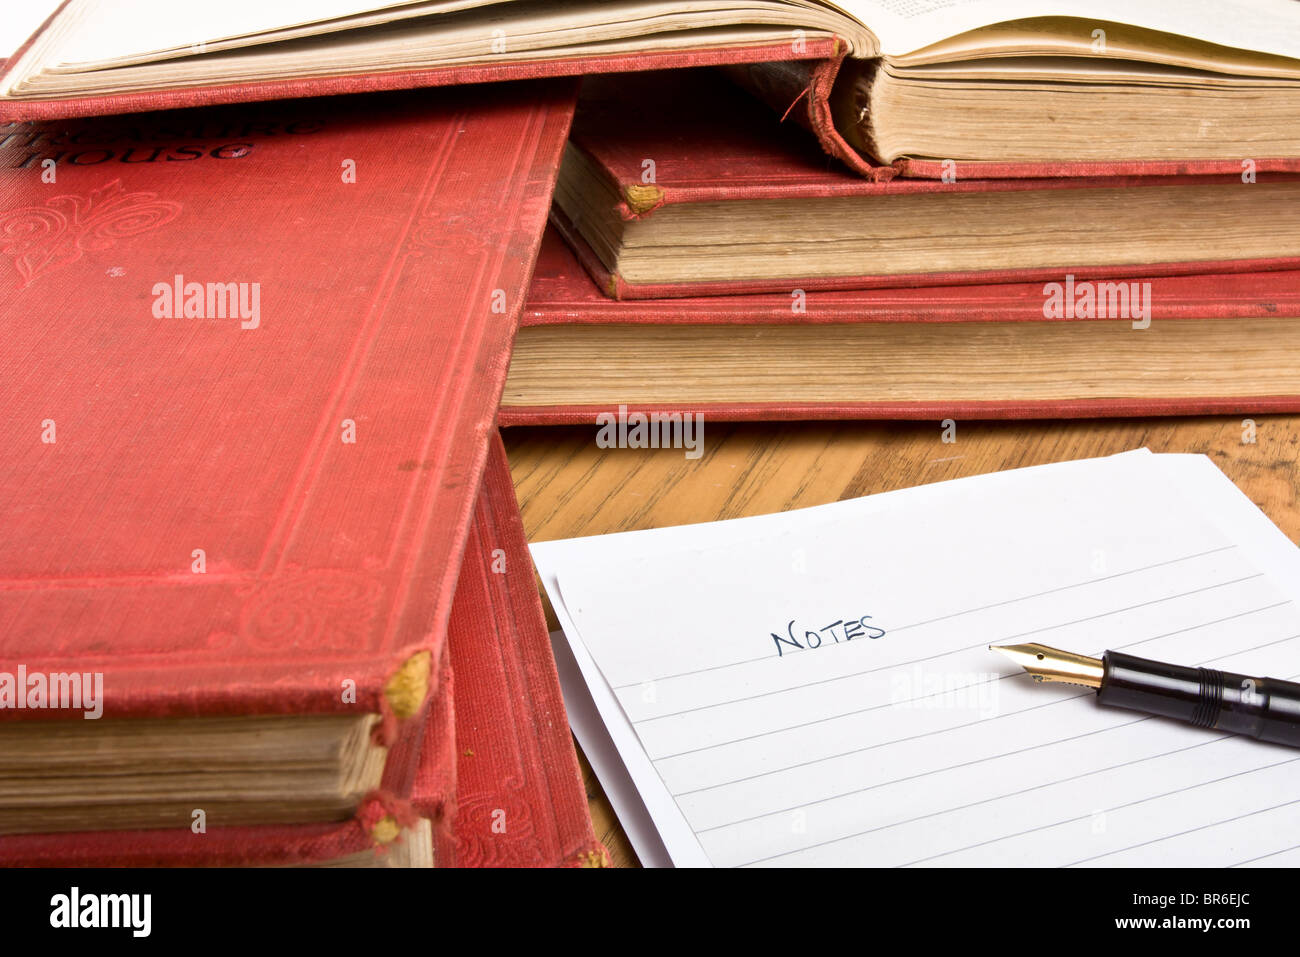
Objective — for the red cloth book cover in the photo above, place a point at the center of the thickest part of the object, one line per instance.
(253, 358)
(520, 798)
(563, 294)
(672, 117)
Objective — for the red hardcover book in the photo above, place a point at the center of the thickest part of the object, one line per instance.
(252, 361)
(520, 797)
(564, 303)
(492, 59)
(648, 147)
(423, 816)
(802, 90)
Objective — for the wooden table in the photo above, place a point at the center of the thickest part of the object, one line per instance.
(569, 487)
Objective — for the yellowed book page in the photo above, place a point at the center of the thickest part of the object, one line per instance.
(1105, 44)
(94, 32)
(1264, 26)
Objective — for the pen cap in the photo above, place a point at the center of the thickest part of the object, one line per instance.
(1263, 708)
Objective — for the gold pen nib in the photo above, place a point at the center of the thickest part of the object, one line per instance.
(1049, 664)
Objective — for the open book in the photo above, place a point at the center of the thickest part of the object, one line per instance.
(962, 79)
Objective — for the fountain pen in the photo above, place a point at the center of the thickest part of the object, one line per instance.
(1263, 708)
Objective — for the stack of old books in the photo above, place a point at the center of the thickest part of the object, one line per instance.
(706, 257)
(267, 598)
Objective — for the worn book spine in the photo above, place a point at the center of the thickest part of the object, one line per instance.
(801, 91)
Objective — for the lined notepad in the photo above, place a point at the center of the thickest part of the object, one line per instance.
(814, 688)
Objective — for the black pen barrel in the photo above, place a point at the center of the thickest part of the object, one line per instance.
(1263, 708)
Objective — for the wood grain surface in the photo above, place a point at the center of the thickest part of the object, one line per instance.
(569, 487)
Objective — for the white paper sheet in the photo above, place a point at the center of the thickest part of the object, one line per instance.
(919, 746)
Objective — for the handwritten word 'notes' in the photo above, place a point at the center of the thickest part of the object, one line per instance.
(815, 688)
